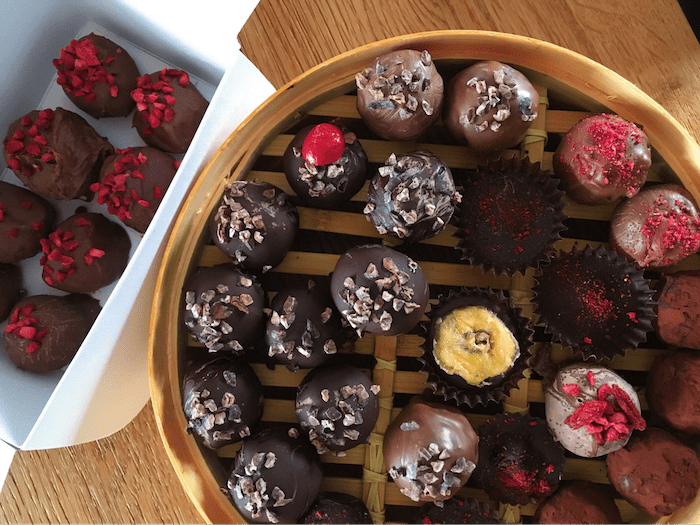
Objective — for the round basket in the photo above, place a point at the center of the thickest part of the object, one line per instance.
(570, 86)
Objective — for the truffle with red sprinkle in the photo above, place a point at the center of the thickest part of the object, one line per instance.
(25, 219)
(336, 507)
(458, 510)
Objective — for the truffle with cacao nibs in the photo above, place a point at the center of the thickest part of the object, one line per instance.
(224, 307)
(254, 224)
(222, 400)
(169, 109)
(98, 76)
(400, 95)
(379, 290)
(55, 153)
(412, 197)
(10, 288)
(337, 507)
(338, 406)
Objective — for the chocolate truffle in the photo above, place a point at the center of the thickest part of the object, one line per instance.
(379, 290)
(55, 153)
(169, 109)
(85, 252)
(678, 309)
(255, 224)
(276, 476)
(591, 410)
(658, 227)
(98, 76)
(490, 106)
(412, 197)
(325, 165)
(337, 508)
(519, 460)
(458, 510)
(400, 96)
(655, 472)
(44, 332)
(304, 327)
(578, 501)
(673, 389)
(25, 219)
(224, 307)
(430, 450)
(222, 400)
(338, 406)
(10, 288)
(602, 158)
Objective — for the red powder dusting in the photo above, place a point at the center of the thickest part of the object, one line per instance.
(610, 135)
(526, 482)
(677, 227)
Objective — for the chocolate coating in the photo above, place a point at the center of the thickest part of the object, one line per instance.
(276, 476)
(602, 158)
(400, 96)
(85, 252)
(412, 197)
(458, 510)
(379, 290)
(338, 406)
(222, 400)
(658, 227)
(578, 501)
(678, 309)
(25, 219)
(255, 224)
(430, 450)
(490, 106)
(10, 288)
(61, 159)
(44, 332)
(337, 508)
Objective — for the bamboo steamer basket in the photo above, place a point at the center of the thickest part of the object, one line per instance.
(570, 86)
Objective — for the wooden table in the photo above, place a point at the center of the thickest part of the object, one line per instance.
(128, 477)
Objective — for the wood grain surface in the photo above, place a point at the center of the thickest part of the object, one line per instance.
(127, 478)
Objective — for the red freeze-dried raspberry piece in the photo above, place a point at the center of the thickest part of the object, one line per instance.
(586, 413)
(79, 68)
(324, 144)
(23, 325)
(572, 389)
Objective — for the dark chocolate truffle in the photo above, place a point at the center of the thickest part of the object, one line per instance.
(169, 109)
(10, 288)
(490, 106)
(458, 510)
(224, 307)
(379, 290)
(25, 219)
(337, 508)
(578, 501)
(412, 196)
(325, 165)
(678, 309)
(55, 153)
(84, 253)
(400, 96)
(655, 472)
(98, 76)
(45, 331)
(276, 476)
(304, 328)
(430, 450)
(338, 406)
(222, 400)
(658, 227)
(255, 224)
(602, 158)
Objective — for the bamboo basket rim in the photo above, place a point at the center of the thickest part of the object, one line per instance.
(235, 156)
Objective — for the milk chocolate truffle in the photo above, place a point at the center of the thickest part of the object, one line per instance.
(325, 165)
(430, 450)
(10, 288)
(458, 510)
(304, 327)
(222, 400)
(673, 389)
(169, 109)
(98, 76)
(591, 410)
(338, 406)
(255, 224)
(44, 332)
(276, 476)
(55, 153)
(25, 219)
(400, 96)
(678, 309)
(490, 106)
(132, 184)
(578, 501)
(412, 197)
(85, 252)
(224, 307)
(655, 472)
(602, 158)
(379, 290)
(337, 508)
(658, 227)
